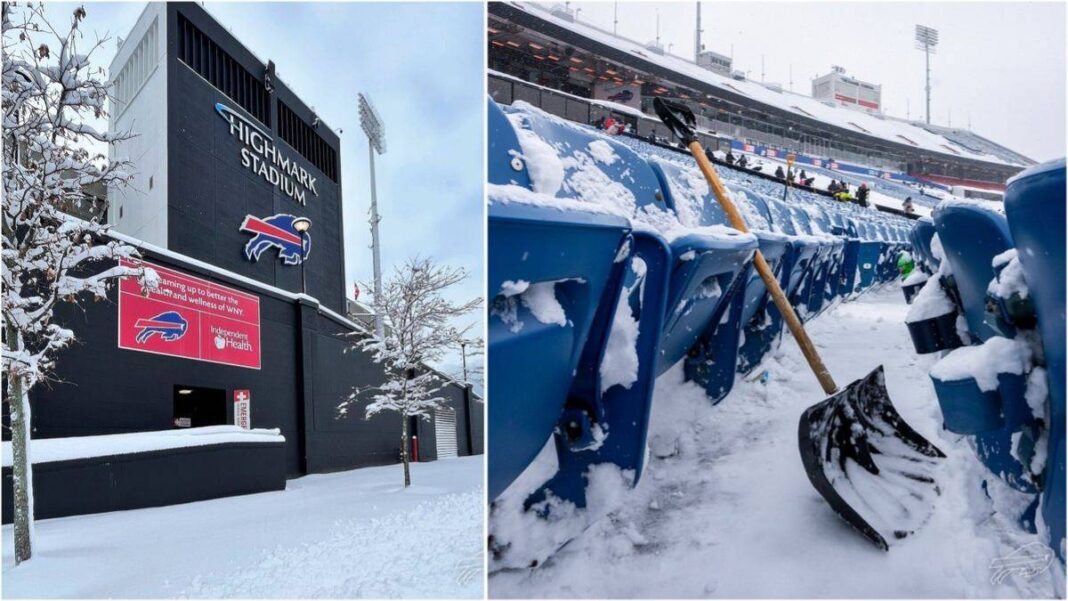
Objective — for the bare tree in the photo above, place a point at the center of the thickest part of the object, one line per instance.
(50, 92)
(418, 332)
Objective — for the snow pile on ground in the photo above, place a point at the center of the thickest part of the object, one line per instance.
(520, 538)
(46, 450)
(341, 535)
(724, 508)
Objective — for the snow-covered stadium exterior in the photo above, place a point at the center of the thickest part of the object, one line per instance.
(227, 157)
(552, 50)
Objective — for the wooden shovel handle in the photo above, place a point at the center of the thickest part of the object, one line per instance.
(772, 284)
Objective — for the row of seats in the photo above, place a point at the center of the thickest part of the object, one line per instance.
(1004, 272)
(610, 262)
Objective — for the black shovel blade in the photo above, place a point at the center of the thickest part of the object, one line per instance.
(872, 468)
(677, 117)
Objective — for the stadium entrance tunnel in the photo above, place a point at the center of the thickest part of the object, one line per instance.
(196, 407)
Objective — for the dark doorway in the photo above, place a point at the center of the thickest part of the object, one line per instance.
(195, 407)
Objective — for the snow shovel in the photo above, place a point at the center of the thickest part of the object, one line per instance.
(870, 466)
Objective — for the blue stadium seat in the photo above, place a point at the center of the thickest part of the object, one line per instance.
(869, 256)
(535, 245)
(712, 361)
(972, 235)
(705, 263)
(804, 251)
(924, 229)
(846, 228)
(920, 237)
(1035, 206)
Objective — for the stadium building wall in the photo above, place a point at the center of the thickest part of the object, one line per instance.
(193, 191)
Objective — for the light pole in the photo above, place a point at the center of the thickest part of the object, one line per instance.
(927, 40)
(697, 35)
(463, 357)
(302, 225)
(376, 142)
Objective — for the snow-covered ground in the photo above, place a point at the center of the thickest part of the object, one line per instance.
(342, 535)
(724, 508)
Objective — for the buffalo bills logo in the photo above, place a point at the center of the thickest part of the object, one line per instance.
(170, 326)
(275, 232)
(623, 96)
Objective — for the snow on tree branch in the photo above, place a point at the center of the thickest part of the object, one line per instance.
(49, 92)
(419, 332)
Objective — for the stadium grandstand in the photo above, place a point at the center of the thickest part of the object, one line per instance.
(546, 57)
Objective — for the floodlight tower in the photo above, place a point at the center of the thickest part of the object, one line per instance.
(697, 36)
(927, 40)
(376, 143)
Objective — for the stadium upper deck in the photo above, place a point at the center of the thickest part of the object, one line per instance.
(537, 45)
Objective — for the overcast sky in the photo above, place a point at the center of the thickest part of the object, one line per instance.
(1002, 63)
(423, 67)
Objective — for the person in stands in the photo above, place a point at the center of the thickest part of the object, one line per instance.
(905, 264)
(833, 187)
(804, 178)
(709, 155)
(742, 161)
(778, 172)
(843, 192)
(862, 195)
(907, 206)
(730, 157)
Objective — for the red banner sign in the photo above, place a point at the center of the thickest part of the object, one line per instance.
(190, 317)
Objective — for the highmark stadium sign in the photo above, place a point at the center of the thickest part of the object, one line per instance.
(263, 158)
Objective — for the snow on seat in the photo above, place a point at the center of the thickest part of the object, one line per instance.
(845, 227)
(550, 264)
(830, 259)
(827, 220)
(804, 258)
(705, 259)
(1035, 207)
(712, 362)
(971, 235)
(600, 411)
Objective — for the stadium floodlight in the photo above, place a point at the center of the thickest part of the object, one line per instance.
(372, 124)
(376, 142)
(927, 40)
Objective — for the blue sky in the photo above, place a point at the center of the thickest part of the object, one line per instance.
(422, 65)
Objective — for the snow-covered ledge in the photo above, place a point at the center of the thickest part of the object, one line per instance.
(47, 450)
